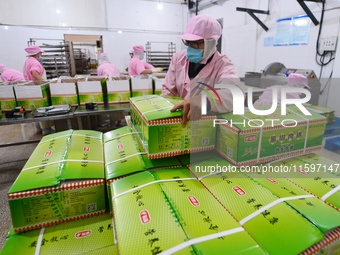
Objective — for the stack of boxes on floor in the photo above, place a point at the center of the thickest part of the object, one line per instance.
(170, 190)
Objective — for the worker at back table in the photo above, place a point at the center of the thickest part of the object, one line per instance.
(137, 66)
(200, 67)
(10, 75)
(106, 68)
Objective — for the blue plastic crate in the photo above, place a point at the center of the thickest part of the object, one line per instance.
(333, 129)
(333, 144)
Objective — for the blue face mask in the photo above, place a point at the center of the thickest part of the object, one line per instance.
(194, 55)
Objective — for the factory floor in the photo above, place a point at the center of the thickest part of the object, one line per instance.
(13, 158)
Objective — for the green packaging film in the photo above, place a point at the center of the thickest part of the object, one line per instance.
(62, 180)
(7, 98)
(85, 236)
(124, 155)
(249, 139)
(202, 216)
(118, 90)
(141, 85)
(319, 177)
(143, 220)
(32, 96)
(64, 93)
(311, 207)
(90, 92)
(273, 224)
(161, 131)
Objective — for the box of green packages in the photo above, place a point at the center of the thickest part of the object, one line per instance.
(274, 225)
(90, 92)
(144, 221)
(92, 235)
(118, 90)
(161, 131)
(208, 225)
(141, 85)
(63, 180)
(64, 93)
(7, 98)
(316, 174)
(249, 139)
(32, 96)
(157, 82)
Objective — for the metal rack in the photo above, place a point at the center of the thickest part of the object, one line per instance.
(159, 54)
(82, 60)
(56, 60)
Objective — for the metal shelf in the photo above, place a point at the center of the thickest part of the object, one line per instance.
(159, 54)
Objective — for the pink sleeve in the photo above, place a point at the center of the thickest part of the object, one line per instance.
(148, 66)
(169, 86)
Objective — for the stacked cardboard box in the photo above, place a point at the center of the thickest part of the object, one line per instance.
(63, 180)
(64, 93)
(118, 90)
(161, 130)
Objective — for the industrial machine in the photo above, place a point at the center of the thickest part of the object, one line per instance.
(277, 74)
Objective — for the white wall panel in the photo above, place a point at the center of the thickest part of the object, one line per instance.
(69, 13)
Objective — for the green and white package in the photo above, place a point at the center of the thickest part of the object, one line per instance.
(211, 229)
(250, 139)
(32, 96)
(63, 180)
(144, 222)
(311, 207)
(278, 228)
(141, 85)
(161, 131)
(118, 90)
(64, 93)
(85, 236)
(317, 177)
(7, 98)
(90, 92)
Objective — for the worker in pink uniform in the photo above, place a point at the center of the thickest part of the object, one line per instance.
(106, 68)
(137, 66)
(10, 75)
(199, 65)
(33, 69)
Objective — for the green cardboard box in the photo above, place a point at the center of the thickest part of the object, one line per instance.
(64, 93)
(250, 139)
(92, 235)
(90, 92)
(144, 221)
(158, 81)
(7, 98)
(202, 216)
(141, 85)
(32, 96)
(161, 131)
(118, 90)
(319, 177)
(274, 225)
(63, 180)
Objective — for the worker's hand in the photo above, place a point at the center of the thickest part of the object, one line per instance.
(191, 111)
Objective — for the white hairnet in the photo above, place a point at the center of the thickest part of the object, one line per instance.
(209, 48)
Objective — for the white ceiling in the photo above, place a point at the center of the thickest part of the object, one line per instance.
(170, 1)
